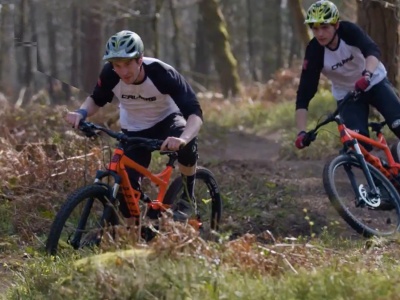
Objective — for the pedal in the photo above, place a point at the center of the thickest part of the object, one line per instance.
(153, 214)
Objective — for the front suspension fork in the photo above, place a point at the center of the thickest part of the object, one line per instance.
(361, 159)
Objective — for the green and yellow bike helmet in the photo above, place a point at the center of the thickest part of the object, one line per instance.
(322, 12)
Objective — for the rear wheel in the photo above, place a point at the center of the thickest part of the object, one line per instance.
(80, 220)
(207, 204)
(395, 150)
(349, 192)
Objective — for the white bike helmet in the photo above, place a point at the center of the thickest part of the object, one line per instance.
(124, 44)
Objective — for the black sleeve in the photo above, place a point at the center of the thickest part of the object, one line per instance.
(310, 74)
(102, 92)
(353, 35)
(171, 82)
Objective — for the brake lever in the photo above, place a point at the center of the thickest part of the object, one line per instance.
(154, 146)
(87, 130)
(357, 96)
(310, 137)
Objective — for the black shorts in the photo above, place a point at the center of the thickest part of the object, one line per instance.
(381, 96)
(173, 125)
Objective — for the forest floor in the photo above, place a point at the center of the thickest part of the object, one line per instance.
(295, 187)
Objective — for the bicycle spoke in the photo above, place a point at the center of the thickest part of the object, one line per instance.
(350, 193)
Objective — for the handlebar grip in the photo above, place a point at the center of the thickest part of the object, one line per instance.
(86, 128)
(309, 137)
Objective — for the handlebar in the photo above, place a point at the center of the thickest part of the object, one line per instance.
(312, 134)
(89, 129)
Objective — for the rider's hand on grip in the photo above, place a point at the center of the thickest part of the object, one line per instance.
(86, 129)
(304, 139)
(363, 83)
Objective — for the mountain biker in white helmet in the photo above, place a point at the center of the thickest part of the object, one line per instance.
(155, 101)
(349, 58)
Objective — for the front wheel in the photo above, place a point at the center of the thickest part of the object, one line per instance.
(80, 220)
(207, 201)
(349, 192)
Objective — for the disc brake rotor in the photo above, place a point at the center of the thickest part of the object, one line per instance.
(371, 201)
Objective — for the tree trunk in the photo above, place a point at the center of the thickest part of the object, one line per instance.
(225, 62)
(278, 34)
(91, 44)
(381, 24)
(9, 35)
(295, 40)
(268, 30)
(250, 35)
(51, 39)
(297, 14)
(3, 20)
(176, 34)
(25, 61)
(202, 57)
(34, 40)
(294, 50)
(25, 71)
(155, 21)
(145, 26)
(75, 18)
(121, 19)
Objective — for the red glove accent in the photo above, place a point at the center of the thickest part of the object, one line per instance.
(363, 83)
(299, 140)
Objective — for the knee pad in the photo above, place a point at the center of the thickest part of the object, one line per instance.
(188, 155)
(395, 127)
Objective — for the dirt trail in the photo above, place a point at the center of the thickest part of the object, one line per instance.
(238, 151)
(241, 146)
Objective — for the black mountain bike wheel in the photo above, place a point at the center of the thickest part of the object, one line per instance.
(345, 183)
(395, 150)
(207, 203)
(80, 220)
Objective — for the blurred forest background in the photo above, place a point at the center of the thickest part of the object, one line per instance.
(52, 49)
(252, 50)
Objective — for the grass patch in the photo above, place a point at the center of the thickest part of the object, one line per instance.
(6, 227)
(239, 269)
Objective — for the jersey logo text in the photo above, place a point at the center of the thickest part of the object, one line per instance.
(341, 63)
(138, 97)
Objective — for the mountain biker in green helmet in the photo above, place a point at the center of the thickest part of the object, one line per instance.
(155, 101)
(349, 58)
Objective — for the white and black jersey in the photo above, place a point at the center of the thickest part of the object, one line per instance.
(343, 66)
(162, 92)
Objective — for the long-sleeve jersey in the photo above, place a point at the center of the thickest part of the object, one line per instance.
(162, 92)
(342, 66)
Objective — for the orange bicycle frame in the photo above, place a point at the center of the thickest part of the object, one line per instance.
(118, 164)
(392, 168)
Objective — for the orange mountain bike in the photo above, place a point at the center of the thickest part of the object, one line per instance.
(363, 187)
(92, 207)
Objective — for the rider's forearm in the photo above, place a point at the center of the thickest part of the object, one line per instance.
(90, 106)
(371, 63)
(301, 119)
(192, 128)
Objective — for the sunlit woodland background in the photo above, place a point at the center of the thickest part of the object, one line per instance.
(229, 50)
(219, 45)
